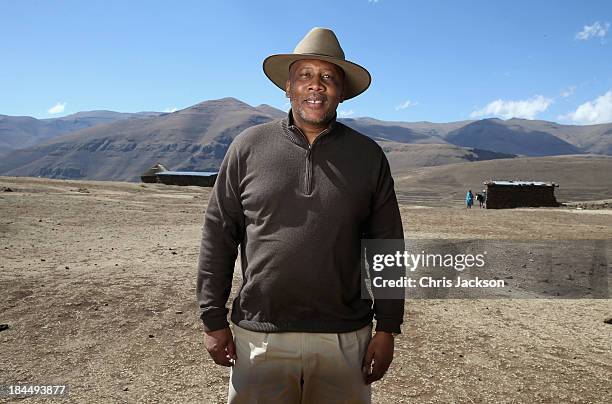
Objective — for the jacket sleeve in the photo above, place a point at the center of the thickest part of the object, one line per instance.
(221, 235)
(385, 222)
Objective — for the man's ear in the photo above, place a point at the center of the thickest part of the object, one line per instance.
(287, 88)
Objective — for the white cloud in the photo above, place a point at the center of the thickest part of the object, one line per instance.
(406, 104)
(597, 111)
(372, 1)
(527, 109)
(170, 109)
(345, 114)
(57, 108)
(568, 91)
(591, 31)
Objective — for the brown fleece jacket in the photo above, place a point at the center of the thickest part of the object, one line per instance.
(298, 213)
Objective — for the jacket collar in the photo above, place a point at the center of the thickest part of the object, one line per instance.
(297, 136)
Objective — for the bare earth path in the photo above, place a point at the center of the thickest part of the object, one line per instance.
(97, 285)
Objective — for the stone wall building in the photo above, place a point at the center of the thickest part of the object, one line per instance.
(160, 174)
(516, 194)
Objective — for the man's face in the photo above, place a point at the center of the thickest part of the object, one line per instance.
(315, 88)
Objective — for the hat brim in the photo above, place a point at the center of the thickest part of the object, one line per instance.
(356, 78)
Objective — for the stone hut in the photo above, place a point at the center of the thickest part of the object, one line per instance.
(149, 176)
(160, 174)
(515, 194)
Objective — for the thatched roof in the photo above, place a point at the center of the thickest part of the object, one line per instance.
(157, 168)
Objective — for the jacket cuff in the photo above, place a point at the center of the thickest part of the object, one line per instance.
(214, 323)
(388, 325)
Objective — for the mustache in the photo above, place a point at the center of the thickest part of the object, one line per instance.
(316, 97)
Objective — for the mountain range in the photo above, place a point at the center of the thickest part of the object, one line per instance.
(106, 145)
(18, 132)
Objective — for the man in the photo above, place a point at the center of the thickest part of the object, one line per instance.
(297, 195)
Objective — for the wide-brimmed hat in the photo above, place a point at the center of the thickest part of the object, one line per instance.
(321, 44)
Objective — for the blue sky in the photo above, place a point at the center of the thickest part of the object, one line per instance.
(436, 61)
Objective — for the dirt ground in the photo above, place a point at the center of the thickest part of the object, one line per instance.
(97, 284)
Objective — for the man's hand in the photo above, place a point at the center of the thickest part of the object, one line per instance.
(378, 357)
(220, 346)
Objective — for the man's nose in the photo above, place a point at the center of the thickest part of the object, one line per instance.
(315, 83)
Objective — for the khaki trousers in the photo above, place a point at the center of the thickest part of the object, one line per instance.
(293, 367)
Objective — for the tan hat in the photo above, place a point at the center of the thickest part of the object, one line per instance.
(321, 44)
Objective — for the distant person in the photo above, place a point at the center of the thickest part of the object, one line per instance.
(297, 195)
(480, 199)
(484, 199)
(469, 199)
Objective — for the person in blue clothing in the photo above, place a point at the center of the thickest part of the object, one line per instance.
(469, 199)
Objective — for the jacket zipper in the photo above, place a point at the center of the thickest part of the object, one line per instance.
(308, 169)
(308, 174)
